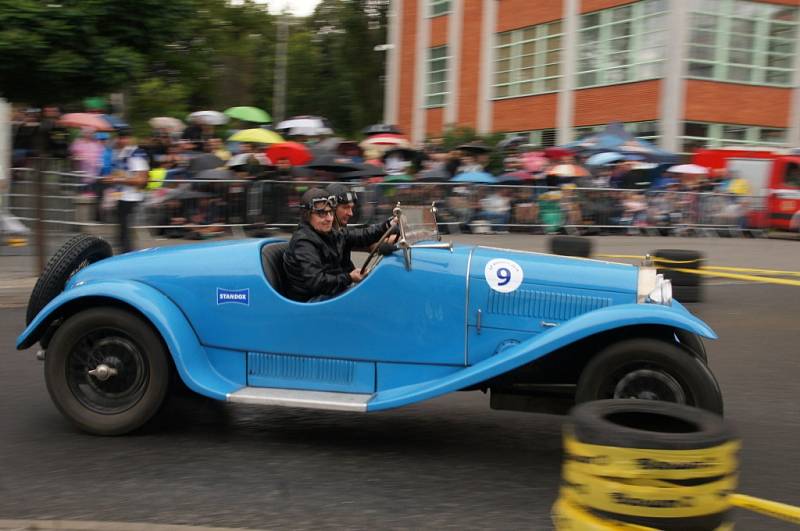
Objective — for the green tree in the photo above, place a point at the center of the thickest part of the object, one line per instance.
(154, 97)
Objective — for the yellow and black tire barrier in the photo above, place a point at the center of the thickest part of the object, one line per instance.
(677, 471)
(749, 274)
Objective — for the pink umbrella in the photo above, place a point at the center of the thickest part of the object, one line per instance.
(85, 119)
(568, 170)
(534, 161)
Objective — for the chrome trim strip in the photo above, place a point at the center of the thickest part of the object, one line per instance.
(265, 396)
(466, 309)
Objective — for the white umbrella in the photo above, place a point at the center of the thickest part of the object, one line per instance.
(208, 117)
(305, 126)
(691, 169)
(167, 122)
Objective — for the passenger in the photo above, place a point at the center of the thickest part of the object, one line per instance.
(313, 261)
(345, 204)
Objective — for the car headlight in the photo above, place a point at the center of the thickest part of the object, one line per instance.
(662, 293)
(653, 287)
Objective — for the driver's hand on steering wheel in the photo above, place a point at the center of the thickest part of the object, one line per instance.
(356, 276)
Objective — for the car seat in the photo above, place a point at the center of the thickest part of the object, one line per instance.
(272, 263)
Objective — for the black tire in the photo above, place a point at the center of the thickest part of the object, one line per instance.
(571, 246)
(650, 369)
(688, 293)
(648, 424)
(119, 339)
(692, 259)
(78, 252)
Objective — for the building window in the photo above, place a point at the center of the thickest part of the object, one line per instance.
(643, 130)
(527, 61)
(622, 44)
(742, 41)
(539, 137)
(436, 87)
(438, 7)
(703, 134)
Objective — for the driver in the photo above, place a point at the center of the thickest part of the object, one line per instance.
(313, 261)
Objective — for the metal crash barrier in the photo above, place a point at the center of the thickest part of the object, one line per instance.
(65, 202)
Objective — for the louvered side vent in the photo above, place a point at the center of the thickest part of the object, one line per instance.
(295, 368)
(543, 304)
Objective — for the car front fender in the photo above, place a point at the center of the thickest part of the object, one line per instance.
(191, 359)
(581, 327)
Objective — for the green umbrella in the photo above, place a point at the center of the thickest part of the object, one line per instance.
(249, 114)
(94, 103)
(397, 178)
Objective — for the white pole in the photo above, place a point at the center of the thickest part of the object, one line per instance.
(5, 146)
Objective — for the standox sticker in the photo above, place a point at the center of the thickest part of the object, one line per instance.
(233, 296)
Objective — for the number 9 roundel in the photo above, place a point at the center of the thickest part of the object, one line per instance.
(503, 275)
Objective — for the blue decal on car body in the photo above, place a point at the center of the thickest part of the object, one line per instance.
(233, 296)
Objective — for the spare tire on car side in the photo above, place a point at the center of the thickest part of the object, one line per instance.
(77, 253)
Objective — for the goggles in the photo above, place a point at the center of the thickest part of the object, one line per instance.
(319, 203)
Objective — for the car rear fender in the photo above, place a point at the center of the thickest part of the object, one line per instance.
(191, 359)
(581, 327)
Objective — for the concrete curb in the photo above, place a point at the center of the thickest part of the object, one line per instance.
(81, 525)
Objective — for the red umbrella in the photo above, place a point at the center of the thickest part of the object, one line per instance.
(85, 119)
(384, 141)
(556, 152)
(296, 153)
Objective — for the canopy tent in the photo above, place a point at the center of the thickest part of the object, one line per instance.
(615, 138)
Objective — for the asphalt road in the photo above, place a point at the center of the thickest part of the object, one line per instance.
(450, 463)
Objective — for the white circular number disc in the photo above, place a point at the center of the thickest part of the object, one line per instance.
(503, 275)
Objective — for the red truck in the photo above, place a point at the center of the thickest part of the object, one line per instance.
(774, 178)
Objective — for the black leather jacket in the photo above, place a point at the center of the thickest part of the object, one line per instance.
(313, 262)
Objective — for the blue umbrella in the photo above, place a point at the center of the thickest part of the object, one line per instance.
(115, 121)
(479, 177)
(606, 157)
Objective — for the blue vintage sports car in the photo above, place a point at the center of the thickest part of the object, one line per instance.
(539, 332)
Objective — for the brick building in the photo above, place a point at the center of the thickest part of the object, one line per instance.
(679, 72)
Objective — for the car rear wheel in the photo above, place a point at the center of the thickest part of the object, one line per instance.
(649, 369)
(107, 371)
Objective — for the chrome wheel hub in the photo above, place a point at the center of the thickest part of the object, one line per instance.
(103, 372)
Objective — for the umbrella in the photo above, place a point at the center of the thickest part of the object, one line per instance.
(475, 147)
(385, 141)
(480, 177)
(215, 174)
(248, 114)
(305, 126)
(167, 122)
(335, 164)
(85, 119)
(556, 152)
(436, 175)
(515, 177)
(366, 170)
(615, 138)
(377, 129)
(297, 154)
(257, 136)
(208, 117)
(691, 169)
(512, 143)
(115, 121)
(606, 157)
(206, 161)
(534, 161)
(94, 103)
(568, 170)
(402, 178)
(404, 153)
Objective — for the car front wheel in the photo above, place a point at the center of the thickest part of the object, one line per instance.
(649, 369)
(107, 371)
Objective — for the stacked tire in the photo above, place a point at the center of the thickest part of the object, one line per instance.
(648, 463)
(571, 246)
(686, 287)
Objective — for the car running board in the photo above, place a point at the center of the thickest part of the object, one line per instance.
(267, 396)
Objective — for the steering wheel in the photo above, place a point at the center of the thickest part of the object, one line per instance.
(375, 255)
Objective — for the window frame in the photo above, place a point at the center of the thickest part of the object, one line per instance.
(435, 8)
(429, 73)
(529, 51)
